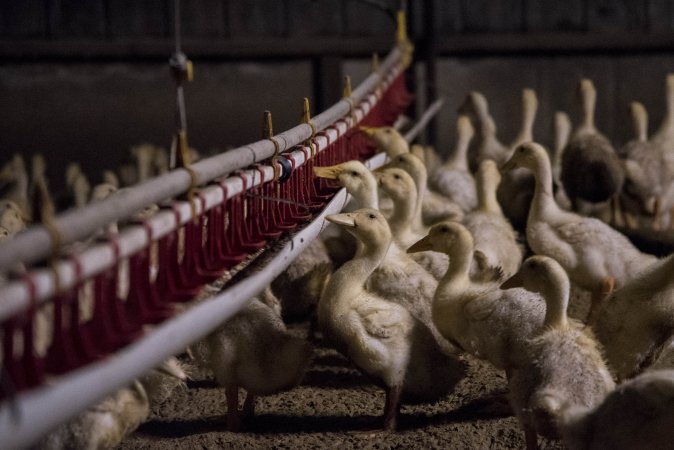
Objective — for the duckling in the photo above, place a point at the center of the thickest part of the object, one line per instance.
(494, 237)
(562, 132)
(488, 145)
(253, 350)
(399, 186)
(111, 178)
(388, 139)
(105, 425)
(361, 184)
(591, 170)
(77, 184)
(428, 155)
(14, 184)
(431, 207)
(565, 367)
(11, 217)
(397, 277)
(381, 337)
(634, 323)
(517, 187)
(596, 257)
(477, 317)
(645, 170)
(637, 414)
(453, 179)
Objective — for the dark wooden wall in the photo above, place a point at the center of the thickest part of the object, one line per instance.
(86, 79)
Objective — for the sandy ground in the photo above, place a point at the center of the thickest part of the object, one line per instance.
(334, 407)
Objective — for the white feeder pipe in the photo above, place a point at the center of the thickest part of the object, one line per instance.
(42, 409)
(428, 115)
(34, 244)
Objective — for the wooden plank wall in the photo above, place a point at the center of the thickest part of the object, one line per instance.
(620, 75)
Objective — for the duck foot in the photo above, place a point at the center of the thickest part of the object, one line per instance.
(391, 408)
(531, 438)
(233, 419)
(248, 406)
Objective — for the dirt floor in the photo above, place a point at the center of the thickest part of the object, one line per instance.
(334, 407)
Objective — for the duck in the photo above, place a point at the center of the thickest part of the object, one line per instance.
(382, 338)
(496, 246)
(562, 133)
(387, 139)
(488, 145)
(638, 414)
(595, 256)
(433, 206)
(405, 280)
(636, 321)
(564, 366)
(517, 186)
(591, 170)
(77, 185)
(14, 185)
(428, 155)
(106, 424)
(399, 186)
(11, 217)
(453, 178)
(253, 350)
(478, 317)
(645, 171)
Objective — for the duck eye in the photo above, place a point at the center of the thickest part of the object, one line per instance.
(354, 173)
(372, 216)
(397, 177)
(444, 230)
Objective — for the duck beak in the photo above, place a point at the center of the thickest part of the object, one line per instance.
(329, 172)
(370, 131)
(343, 220)
(515, 281)
(509, 165)
(423, 245)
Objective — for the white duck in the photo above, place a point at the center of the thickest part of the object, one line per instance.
(496, 246)
(564, 366)
(105, 425)
(595, 256)
(398, 277)
(453, 179)
(381, 337)
(488, 145)
(637, 414)
(517, 187)
(646, 177)
(482, 320)
(432, 205)
(634, 323)
(254, 351)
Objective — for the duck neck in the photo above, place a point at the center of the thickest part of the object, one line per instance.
(543, 203)
(589, 101)
(640, 123)
(353, 274)
(556, 302)
(667, 125)
(459, 160)
(402, 217)
(457, 276)
(366, 197)
(486, 195)
(420, 180)
(529, 108)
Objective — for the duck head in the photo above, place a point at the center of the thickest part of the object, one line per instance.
(387, 139)
(537, 274)
(528, 155)
(445, 237)
(10, 217)
(410, 164)
(396, 183)
(355, 177)
(366, 224)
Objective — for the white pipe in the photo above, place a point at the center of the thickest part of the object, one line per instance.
(75, 391)
(14, 297)
(432, 110)
(34, 244)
